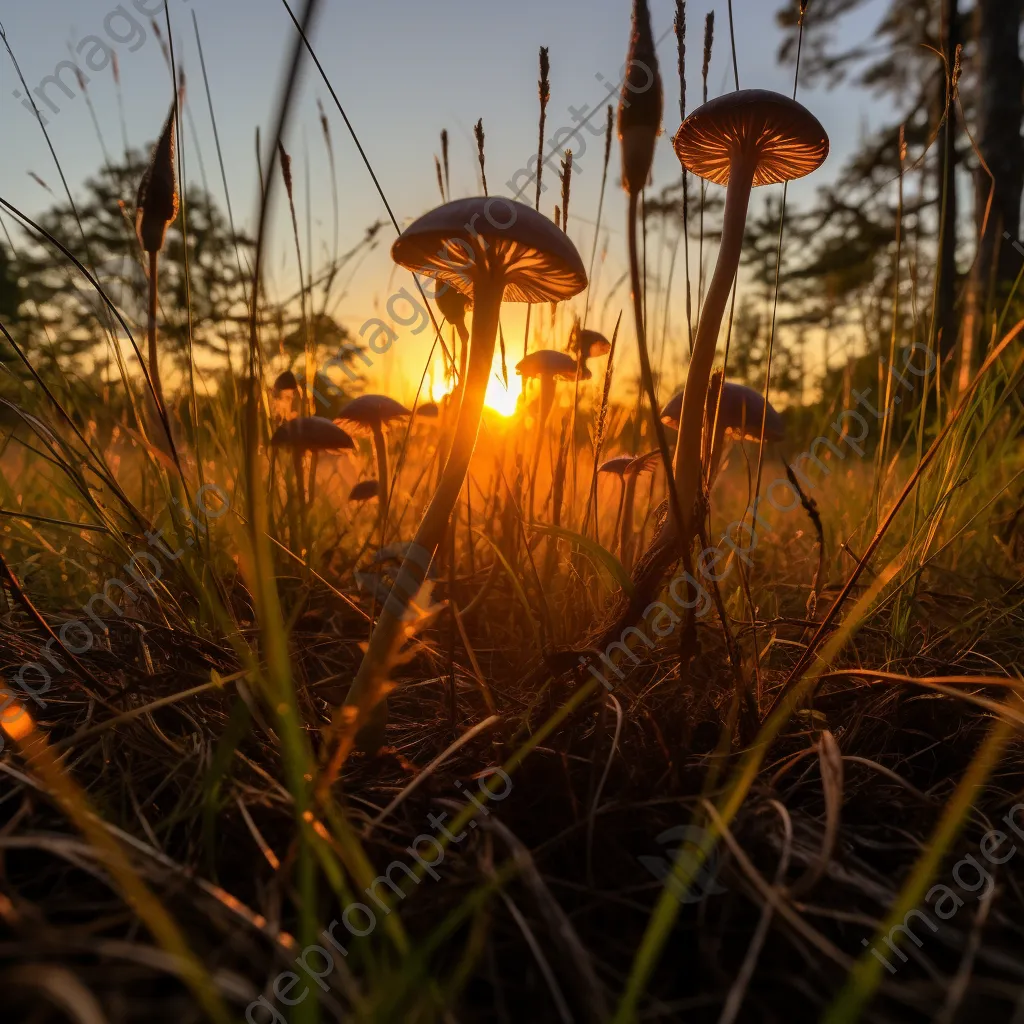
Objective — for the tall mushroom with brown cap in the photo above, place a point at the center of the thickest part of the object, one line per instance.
(745, 138)
(547, 366)
(309, 434)
(493, 249)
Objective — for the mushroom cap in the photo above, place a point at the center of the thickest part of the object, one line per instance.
(618, 465)
(790, 140)
(540, 262)
(673, 410)
(546, 362)
(592, 343)
(372, 410)
(428, 411)
(741, 411)
(311, 433)
(285, 382)
(364, 491)
(643, 463)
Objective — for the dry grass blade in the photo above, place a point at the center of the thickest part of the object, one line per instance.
(738, 990)
(37, 752)
(424, 775)
(865, 977)
(830, 762)
(59, 987)
(588, 985)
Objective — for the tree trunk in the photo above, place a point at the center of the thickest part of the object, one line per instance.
(946, 323)
(1000, 111)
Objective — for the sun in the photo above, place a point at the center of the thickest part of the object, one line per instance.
(501, 399)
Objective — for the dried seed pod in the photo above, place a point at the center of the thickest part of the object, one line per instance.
(158, 200)
(641, 104)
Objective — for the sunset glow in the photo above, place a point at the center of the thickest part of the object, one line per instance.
(502, 399)
(499, 398)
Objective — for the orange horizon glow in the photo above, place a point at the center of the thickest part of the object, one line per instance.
(499, 399)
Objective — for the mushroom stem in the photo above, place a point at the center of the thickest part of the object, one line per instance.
(691, 421)
(547, 401)
(366, 690)
(313, 455)
(300, 485)
(626, 522)
(383, 480)
(618, 514)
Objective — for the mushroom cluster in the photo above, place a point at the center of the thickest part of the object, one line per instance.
(492, 250)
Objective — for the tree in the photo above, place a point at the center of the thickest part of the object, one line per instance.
(1000, 108)
(100, 231)
(901, 61)
(10, 289)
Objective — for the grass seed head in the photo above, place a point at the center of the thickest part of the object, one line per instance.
(158, 201)
(641, 104)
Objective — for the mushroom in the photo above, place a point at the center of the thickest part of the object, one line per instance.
(547, 365)
(309, 434)
(493, 249)
(365, 490)
(617, 467)
(745, 138)
(591, 344)
(372, 413)
(740, 413)
(428, 411)
(630, 474)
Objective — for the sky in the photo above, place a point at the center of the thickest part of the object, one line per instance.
(403, 72)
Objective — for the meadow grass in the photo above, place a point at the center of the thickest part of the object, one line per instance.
(841, 724)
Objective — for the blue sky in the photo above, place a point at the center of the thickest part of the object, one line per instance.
(404, 71)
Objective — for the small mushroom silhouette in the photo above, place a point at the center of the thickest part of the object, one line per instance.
(740, 414)
(590, 344)
(312, 434)
(617, 467)
(372, 413)
(742, 139)
(493, 250)
(547, 366)
(365, 490)
(637, 466)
